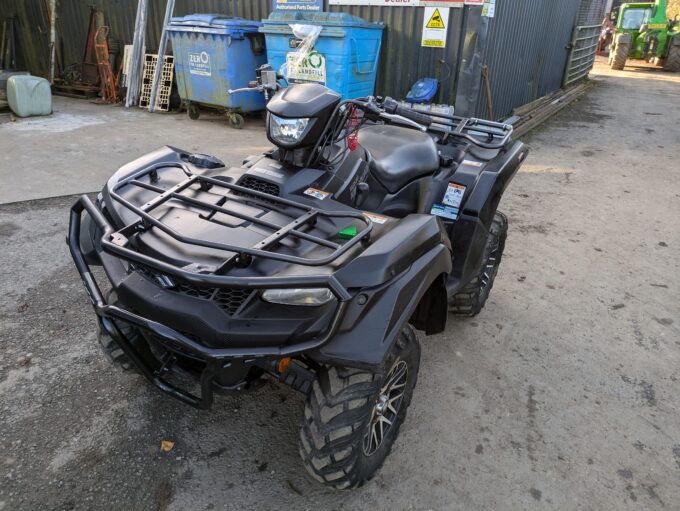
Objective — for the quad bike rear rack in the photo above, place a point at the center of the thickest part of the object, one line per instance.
(117, 243)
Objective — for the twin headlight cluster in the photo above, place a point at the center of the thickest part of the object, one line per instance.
(287, 131)
(311, 297)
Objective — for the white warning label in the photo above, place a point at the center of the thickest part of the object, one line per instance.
(454, 195)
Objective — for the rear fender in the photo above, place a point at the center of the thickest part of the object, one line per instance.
(470, 231)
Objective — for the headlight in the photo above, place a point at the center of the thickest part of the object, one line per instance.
(287, 131)
(309, 297)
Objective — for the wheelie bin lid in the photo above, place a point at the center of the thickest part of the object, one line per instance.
(213, 23)
(326, 19)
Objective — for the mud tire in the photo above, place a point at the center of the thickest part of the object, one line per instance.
(339, 412)
(672, 63)
(470, 300)
(619, 56)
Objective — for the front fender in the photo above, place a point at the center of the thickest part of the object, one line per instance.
(370, 328)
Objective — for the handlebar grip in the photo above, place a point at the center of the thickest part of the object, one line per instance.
(414, 115)
(393, 107)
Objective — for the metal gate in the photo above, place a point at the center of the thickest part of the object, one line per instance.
(581, 53)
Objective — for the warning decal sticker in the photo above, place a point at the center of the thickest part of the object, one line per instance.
(378, 219)
(317, 194)
(435, 23)
(444, 211)
(435, 20)
(454, 195)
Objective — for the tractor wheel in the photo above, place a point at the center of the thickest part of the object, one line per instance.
(352, 416)
(471, 299)
(673, 60)
(619, 56)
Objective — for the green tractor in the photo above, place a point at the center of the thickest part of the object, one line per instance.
(644, 32)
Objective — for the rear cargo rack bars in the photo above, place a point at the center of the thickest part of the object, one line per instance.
(119, 239)
(473, 130)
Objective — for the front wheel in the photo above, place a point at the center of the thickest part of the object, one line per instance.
(617, 59)
(352, 417)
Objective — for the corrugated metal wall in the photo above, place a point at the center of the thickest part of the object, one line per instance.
(33, 23)
(402, 59)
(591, 12)
(536, 34)
(525, 54)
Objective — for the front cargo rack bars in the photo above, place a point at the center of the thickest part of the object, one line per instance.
(120, 239)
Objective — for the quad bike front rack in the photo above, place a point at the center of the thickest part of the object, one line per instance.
(117, 242)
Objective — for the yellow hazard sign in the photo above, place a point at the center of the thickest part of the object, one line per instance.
(436, 20)
(435, 23)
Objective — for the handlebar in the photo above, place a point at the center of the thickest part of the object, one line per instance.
(392, 107)
(267, 82)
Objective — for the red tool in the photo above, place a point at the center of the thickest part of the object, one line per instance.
(108, 82)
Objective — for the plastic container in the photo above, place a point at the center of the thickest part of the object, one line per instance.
(29, 95)
(346, 51)
(423, 90)
(431, 108)
(214, 53)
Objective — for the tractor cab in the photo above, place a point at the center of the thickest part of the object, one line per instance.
(634, 16)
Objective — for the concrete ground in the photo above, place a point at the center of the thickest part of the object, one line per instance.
(561, 394)
(81, 144)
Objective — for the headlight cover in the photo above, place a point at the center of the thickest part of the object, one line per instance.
(309, 297)
(287, 131)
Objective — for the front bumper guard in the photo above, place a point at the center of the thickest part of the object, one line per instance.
(215, 359)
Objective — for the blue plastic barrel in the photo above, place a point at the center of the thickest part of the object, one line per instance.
(214, 53)
(345, 56)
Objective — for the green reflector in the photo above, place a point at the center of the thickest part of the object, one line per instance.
(348, 232)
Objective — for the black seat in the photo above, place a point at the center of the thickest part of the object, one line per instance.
(398, 155)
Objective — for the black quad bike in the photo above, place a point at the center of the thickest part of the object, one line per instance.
(312, 264)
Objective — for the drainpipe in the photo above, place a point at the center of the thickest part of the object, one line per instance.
(53, 37)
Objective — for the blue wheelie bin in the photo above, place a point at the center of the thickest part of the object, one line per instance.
(214, 53)
(345, 55)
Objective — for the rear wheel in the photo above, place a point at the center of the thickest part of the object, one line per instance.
(673, 60)
(471, 299)
(619, 55)
(352, 416)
